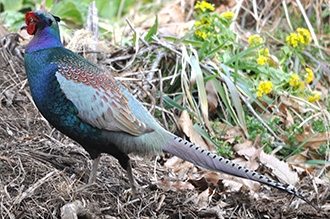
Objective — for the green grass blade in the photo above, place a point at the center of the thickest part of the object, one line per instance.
(201, 87)
(203, 133)
(153, 30)
(226, 100)
(300, 146)
(236, 99)
(174, 104)
(240, 55)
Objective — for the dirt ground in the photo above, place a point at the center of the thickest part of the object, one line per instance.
(42, 171)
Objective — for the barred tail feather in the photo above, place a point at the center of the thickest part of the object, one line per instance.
(204, 158)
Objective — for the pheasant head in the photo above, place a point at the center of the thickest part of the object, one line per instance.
(44, 26)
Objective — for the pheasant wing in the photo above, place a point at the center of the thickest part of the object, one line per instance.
(97, 96)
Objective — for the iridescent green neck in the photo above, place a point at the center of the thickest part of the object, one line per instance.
(43, 39)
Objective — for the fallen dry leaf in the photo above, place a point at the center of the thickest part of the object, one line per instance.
(231, 133)
(308, 127)
(257, 141)
(175, 186)
(212, 97)
(322, 88)
(205, 177)
(302, 169)
(235, 184)
(232, 185)
(314, 143)
(314, 156)
(245, 144)
(289, 121)
(187, 127)
(171, 20)
(279, 168)
(178, 165)
(202, 200)
(228, 182)
(172, 162)
(297, 162)
(298, 158)
(298, 106)
(222, 6)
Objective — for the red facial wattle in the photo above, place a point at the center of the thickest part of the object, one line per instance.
(31, 20)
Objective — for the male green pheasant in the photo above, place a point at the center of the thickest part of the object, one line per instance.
(91, 107)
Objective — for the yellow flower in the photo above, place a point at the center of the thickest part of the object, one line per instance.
(294, 79)
(263, 56)
(304, 36)
(197, 23)
(311, 99)
(205, 21)
(204, 5)
(204, 35)
(255, 40)
(316, 96)
(259, 94)
(293, 40)
(262, 60)
(228, 15)
(309, 75)
(201, 34)
(295, 82)
(264, 52)
(197, 5)
(264, 87)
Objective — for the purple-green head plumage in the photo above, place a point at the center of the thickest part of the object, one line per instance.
(44, 26)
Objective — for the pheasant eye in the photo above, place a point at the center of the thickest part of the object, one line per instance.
(31, 19)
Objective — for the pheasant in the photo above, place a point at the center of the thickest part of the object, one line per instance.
(88, 105)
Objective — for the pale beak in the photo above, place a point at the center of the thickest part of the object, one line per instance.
(24, 26)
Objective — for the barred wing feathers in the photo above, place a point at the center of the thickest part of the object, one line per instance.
(96, 95)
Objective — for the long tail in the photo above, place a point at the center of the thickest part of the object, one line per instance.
(204, 158)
